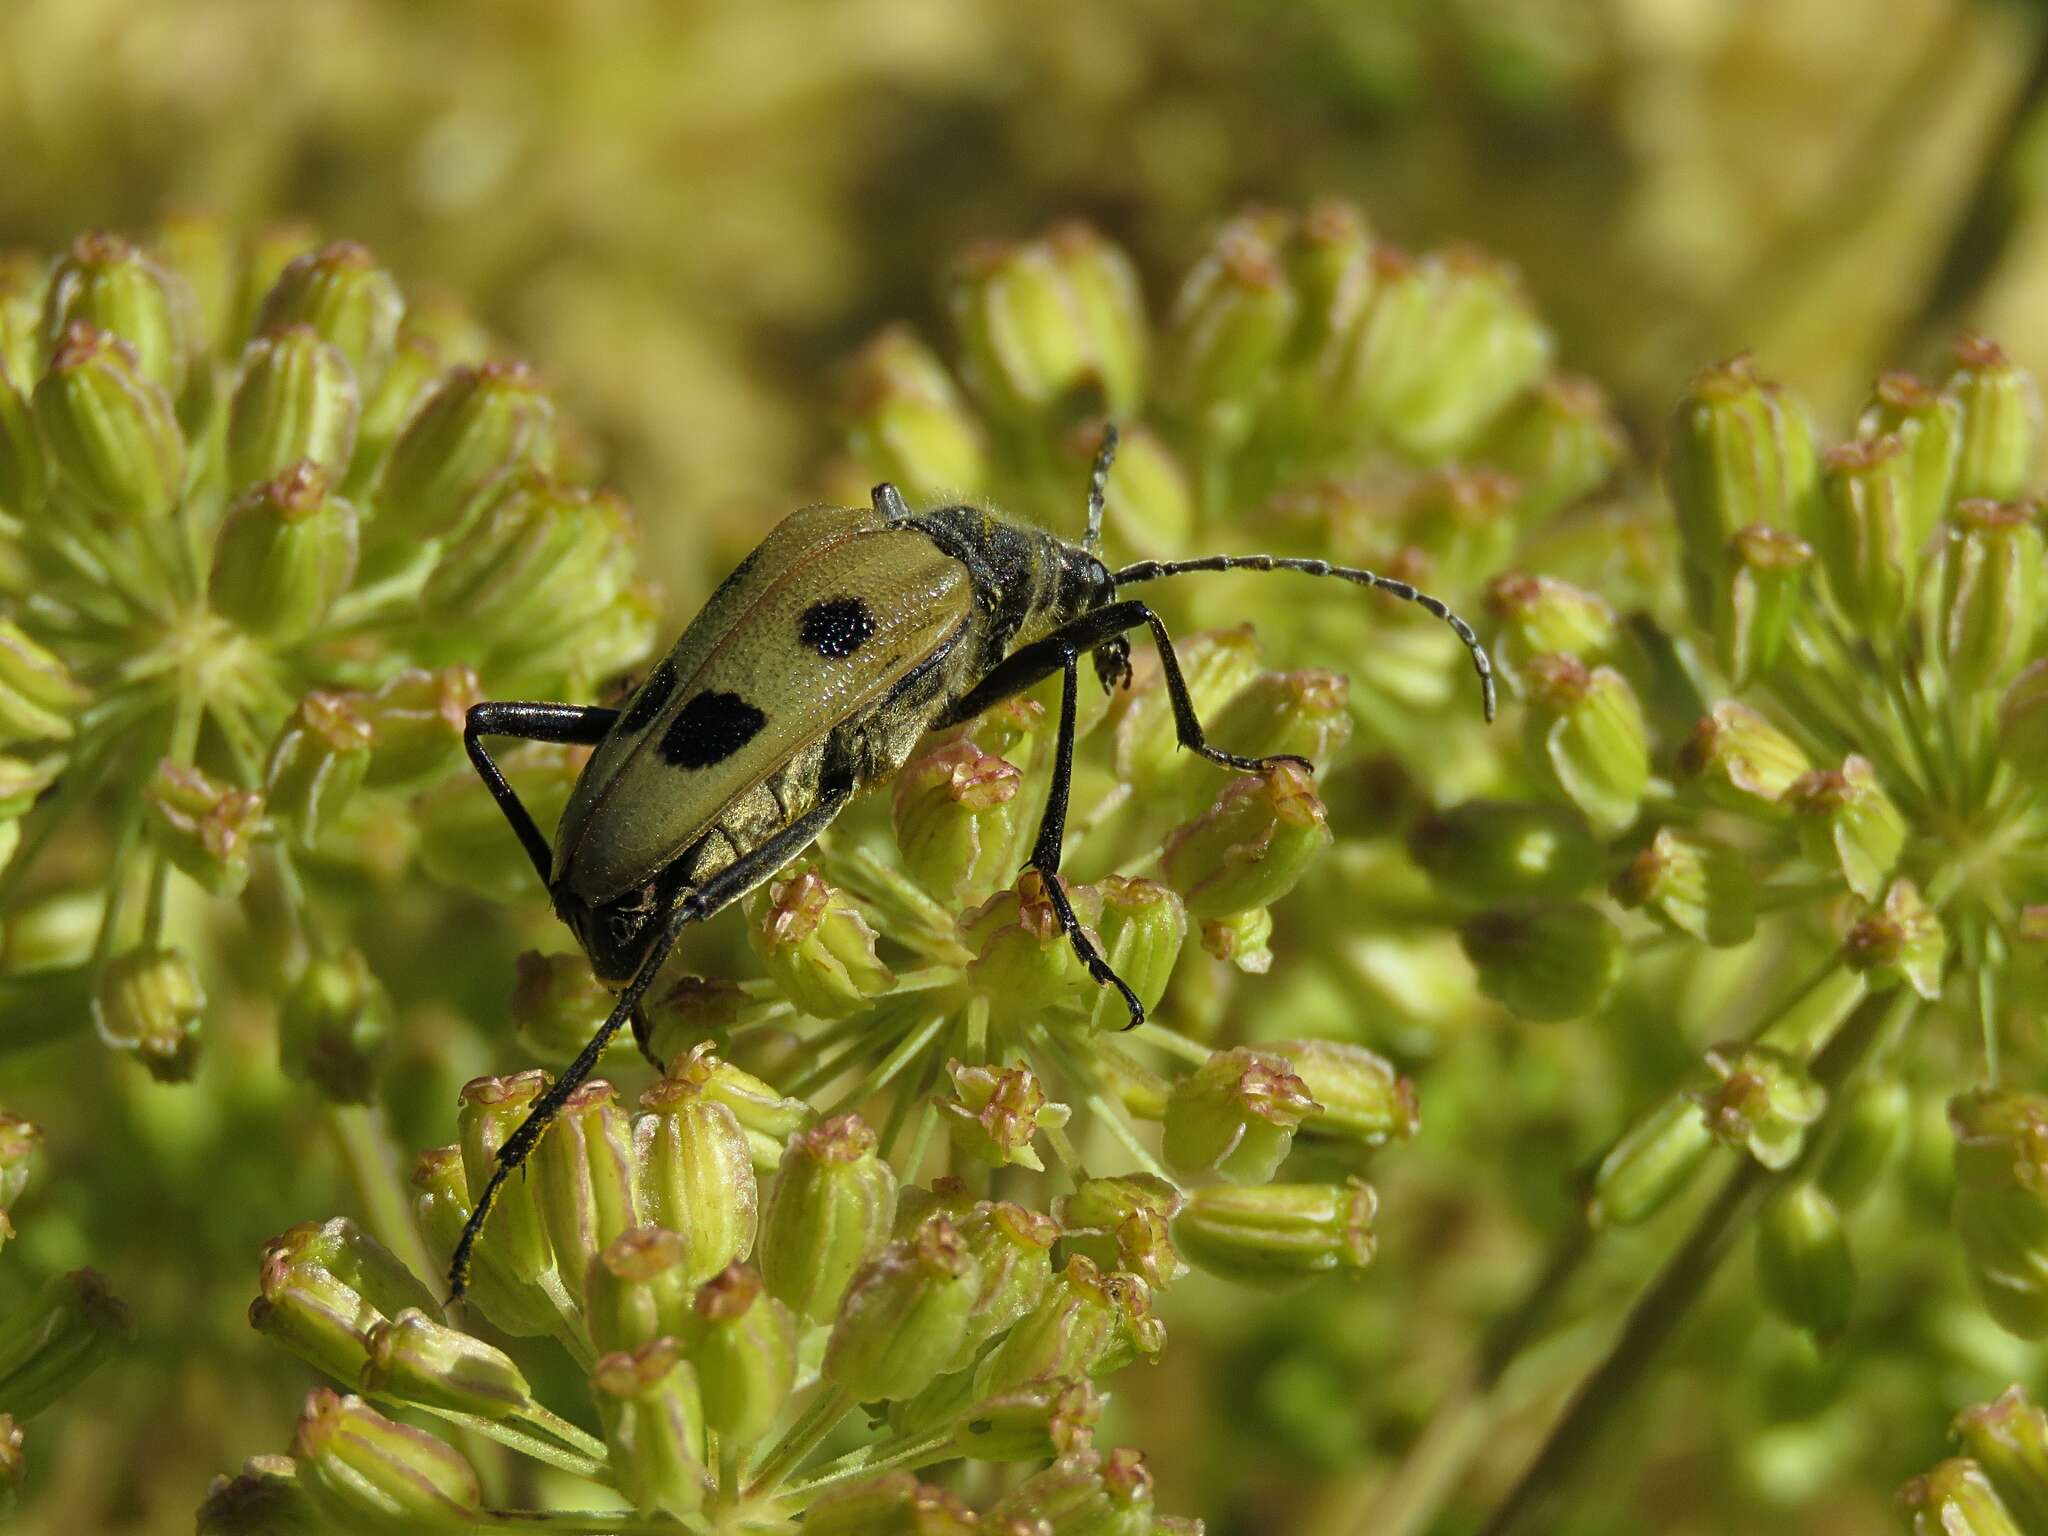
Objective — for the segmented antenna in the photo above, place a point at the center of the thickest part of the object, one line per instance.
(1098, 486)
(1153, 570)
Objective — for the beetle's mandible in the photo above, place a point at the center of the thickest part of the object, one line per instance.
(809, 676)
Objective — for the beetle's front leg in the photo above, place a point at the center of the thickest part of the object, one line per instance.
(579, 725)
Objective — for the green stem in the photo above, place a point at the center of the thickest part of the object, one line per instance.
(920, 1452)
(805, 1436)
(513, 1438)
(373, 1170)
(554, 1424)
(581, 1522)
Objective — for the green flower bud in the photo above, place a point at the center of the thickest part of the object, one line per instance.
(1847, 822)
(905, 421)
(1488, 850)
(1012, 1250)
(1742, 762)
(1150, 504)
(24, 470)
(285, 552)
(1560, 442)
(324, 1285)
(1803, 1266)
(1035, 340)
(994, 1114)
(1955, 1499)
(415, 369)
(491, 1109)
(462, 842)
(295, 402)
(827, 1214)
(476, 424)
(654, 1426)
(1023, 959)
(1901, 941)
(1124, 1223)
(1102, 288)
(1087, 1324)
(1142, 928)
(367, 1473)
(440, 1209)
(1759, 1099)
(333, 1027)
(109, 429)
(1456, 519)
(267, 251)
(1585, 734)
(1558, 960)
(19, 1141)
(2023, 724)
(199, 250)
(351, 302)
(1288, 714)
(1033, 1422)
(149, 1001)
(586, 1173)
(60, 1336)
(1329, 265)
(1864, 528)
(318, 763)
(1540, 615)
(416, 722)
(1762, 590)
(110, 285)
(21, 785)
(1990, 593)
(1236, 1116)
(894, 1504)
(2000, 1210)
(1651, 1163)
(697, 1172)
(905, 1316)
(2001, 421)
(1231, 322)
(1741, 452)
(415, 1359)
(1216, 664)
(2008, 1438)
(744, 1346)
(38, 695)
(636, 1289)
(1691, 886)
(1931, 426)
(1873, 1133)
(1249, 848)
(1244, 939)
(1278, 1234)
(1448, 342)
(267, 1499)
(204, 827)
(767, 1117)
(557, 1004)
(816, 945)
(1363, 1099)
(1084, 1494)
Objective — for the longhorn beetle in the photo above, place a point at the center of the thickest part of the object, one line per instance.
(809, 676)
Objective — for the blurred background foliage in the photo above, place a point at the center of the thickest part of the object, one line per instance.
(689, 214)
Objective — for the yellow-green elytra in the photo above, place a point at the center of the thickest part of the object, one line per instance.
(810, 676)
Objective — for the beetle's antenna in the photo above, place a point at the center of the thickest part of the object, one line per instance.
(1153, 570)
(889, 502)
(1098, 486)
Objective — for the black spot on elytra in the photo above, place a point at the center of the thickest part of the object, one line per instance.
(839, 626)
(709, 729)
(647, 703)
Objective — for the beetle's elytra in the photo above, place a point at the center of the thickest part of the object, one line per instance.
(809, 676)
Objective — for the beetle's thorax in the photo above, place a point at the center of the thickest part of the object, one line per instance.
(1026, 581)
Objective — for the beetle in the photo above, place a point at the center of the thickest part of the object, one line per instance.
(809, 676)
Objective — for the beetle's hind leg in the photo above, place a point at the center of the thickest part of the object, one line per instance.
(571, 724)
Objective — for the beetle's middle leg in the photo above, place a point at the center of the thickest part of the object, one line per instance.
(577, 725)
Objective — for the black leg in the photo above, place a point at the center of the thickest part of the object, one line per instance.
(713, 896)
(574, 724)
(1052, 833)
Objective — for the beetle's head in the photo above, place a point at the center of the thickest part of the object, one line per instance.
(617, 934)
(1086, 580)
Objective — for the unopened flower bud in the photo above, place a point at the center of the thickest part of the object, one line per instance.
(19, 1142)
(1012, 1250)
(906, 422)
(993, 1114)
(894, 1504)
(1033, 341)
(24, 468)
(418, 1360)
(206, 828)
(1902, 940)
(368, 1473)
(343, 295)
(1803, 1265)
(1990, 593)
(743, 1343)
(1088, 1323)
(1560, 442)
(1955, 1499)
(415, 369)
(1231, 321)
(1215, 664)
(113, 286)
(1875, 1123)
(2000, 1210)
(1847, 822)
(1278, 1234)
(295, 402)
(1287, 714)
(1585, 734)
(1758, 1099)
(1542, 615)
(149, 1001)
(441, 1209)
(267, 1498)
(1142, 928)
(38, 695)
(1485, 851)
(1249, 848)
(1651, 1163)
(2001, 421)
(1032, 1422)
(1558, 960)
(1236, 1116)
(586, 1173)
(462, 842)
(1692, 886)
(284, 553)
(2023, 724)
(768, 1118)
(817, 946)
(1930, 424)
(1457, 519)
(1363, 1099)
(1864, 528)
(477, 423)
(636, 1290)
(653, 1426)
(905, 1315)
(109, 428)
(317, 764)
(697, 1173)
(1125, 1223)
(1741, 761)
(1741, 452)
(955, 814)
(21, 785)
(1082, 1494)
(198, 247)
(557, 1004)
(324, 1285)
(2008, 1438)
(266, 252)
(1244, 939)
(1761, 590)
(828, 1213)
(1023, 959)
(333, 1027)
(1150, 507)
(491, 1109)
(52, 1341)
